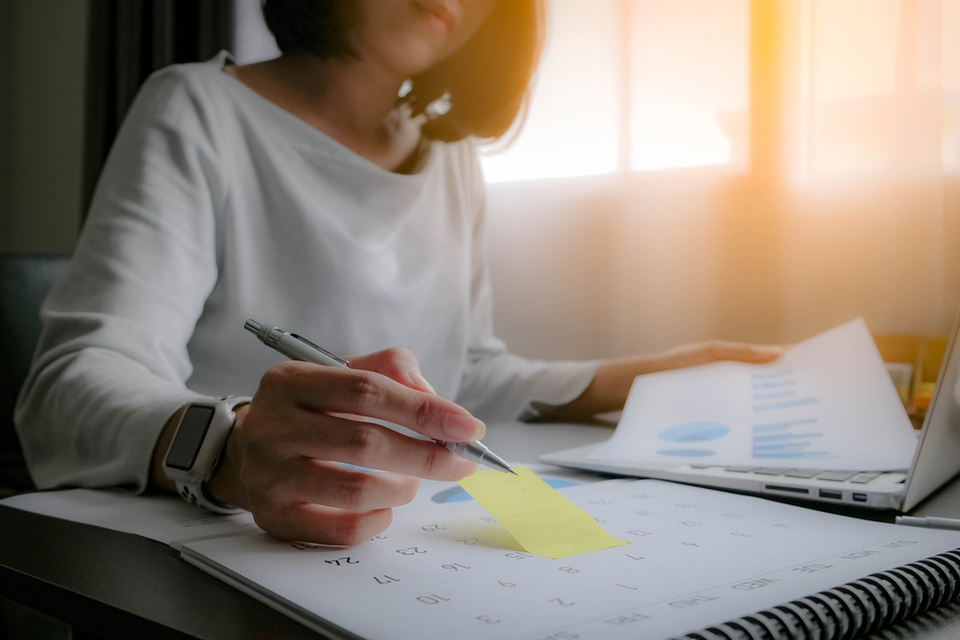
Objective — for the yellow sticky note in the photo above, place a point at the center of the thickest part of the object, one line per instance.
(540, 519)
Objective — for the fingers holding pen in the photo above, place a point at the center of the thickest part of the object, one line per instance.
(308, 480)
(373, 395)
(372, 446)
(282, 459)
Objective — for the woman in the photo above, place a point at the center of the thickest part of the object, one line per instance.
(302, 192)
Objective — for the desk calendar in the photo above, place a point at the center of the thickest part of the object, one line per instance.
(697, 558)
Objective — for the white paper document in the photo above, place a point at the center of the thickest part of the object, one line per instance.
(827, 403)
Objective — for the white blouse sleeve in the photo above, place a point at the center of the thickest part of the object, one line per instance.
(112, 359)
(498, 386)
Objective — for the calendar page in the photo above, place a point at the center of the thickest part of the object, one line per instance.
(696, 558)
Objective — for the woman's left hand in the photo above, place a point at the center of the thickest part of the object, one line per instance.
(610, 385)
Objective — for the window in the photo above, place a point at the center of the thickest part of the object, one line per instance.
(635, 85)
(881, 71)
(642, 85)
(853, 83)
(572, 126)
(689, 72)
(950, 83)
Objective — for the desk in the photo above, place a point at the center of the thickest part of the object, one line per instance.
(118, 585)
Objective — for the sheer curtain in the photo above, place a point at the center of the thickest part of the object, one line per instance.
(742, 169)
(871, 209)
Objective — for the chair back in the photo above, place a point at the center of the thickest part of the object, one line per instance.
(24, 283)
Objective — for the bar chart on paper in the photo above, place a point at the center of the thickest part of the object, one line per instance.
(797, 439)
(818, 406)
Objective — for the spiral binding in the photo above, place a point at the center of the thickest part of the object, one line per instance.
(854, 609)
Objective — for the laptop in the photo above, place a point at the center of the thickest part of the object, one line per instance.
(935, 461)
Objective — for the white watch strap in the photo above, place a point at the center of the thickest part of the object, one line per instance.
(193, 492)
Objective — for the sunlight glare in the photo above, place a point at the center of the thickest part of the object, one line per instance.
(689, 78)
(678, 136)
(572, 127)
(950, 83)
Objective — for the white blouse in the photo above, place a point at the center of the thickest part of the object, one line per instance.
(215, 206)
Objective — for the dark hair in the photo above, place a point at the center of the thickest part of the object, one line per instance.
(487, 79)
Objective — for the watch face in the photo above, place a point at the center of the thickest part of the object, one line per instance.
(183, 452)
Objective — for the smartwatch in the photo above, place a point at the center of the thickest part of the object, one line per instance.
(196, 447)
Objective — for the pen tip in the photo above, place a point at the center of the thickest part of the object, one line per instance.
(512, 471)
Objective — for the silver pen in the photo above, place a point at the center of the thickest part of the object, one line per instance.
(930, 522)
(299, 348)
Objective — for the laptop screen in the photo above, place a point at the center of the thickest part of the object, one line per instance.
(937, 459)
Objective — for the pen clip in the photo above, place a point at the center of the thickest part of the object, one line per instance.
(333, 357)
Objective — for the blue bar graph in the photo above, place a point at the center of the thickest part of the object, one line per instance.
(764, 375)
(797, 455)
(774, 390)
(780, 426)
(773, 395)
(784, 404)
(775, 384)
(779, 437)
(793, 446)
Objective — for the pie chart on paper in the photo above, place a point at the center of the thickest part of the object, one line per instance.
(694, 432)
(689, 433)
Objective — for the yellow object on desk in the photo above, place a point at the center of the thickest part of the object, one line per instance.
(541, 520)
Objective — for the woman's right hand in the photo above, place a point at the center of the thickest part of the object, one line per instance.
(280, 460)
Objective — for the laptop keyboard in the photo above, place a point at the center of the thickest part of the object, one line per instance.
(856, 477)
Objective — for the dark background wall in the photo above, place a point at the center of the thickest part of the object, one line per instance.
(43, 53)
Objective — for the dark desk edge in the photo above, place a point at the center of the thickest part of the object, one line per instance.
(120, 585)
